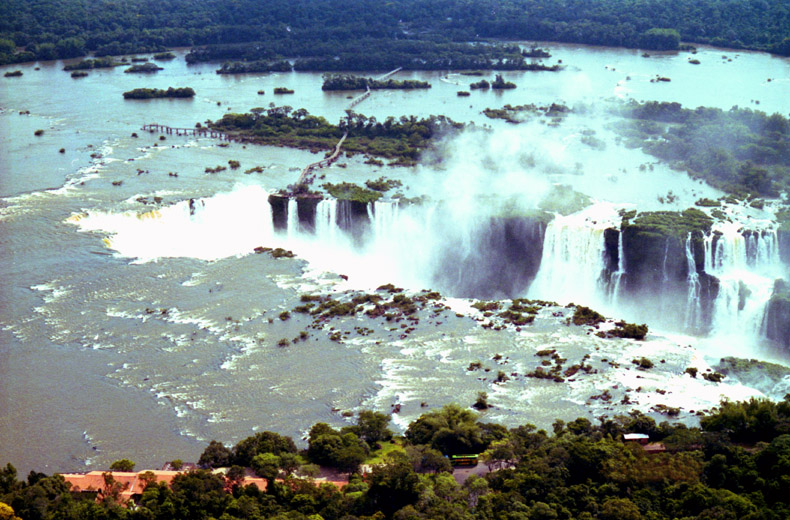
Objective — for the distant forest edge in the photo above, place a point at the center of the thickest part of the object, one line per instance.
(320, 31)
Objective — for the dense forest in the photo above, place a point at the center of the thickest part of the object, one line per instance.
(48, 29)
(736, 466)
(742, 151)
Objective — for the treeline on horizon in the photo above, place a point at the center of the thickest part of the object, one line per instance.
(736, 466)
(49, 29)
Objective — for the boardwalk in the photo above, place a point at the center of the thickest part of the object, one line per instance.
(308, 174)
(306, 177)
(198, 132)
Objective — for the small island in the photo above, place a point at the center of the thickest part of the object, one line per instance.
(98, 63)
(351, 82)
(155, 93)
(146, 68)
(13, 74)
(283, 90)
(243, 67)
(164, 56)
(79, 74)
(500, 83)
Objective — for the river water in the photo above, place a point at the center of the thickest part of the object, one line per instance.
(128, 329)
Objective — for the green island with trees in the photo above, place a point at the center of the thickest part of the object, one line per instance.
(351, 82)
(156, 93)
(375, 34)
(400, 139)
(742, 151)
(734, 466)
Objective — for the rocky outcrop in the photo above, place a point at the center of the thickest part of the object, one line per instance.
(279, 205)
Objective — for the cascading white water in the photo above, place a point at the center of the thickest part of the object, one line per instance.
(326, 219)
(746, 268)
(693, 303)
(224, 225)
(617, 276)
(573, 261)
(293, 218)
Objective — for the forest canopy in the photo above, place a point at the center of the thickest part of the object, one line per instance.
(50, 29)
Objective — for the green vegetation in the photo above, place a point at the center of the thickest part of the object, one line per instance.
(351, 191)
(499, 83)
(375, 34)
(625, 330)
(243, 67)
(586, 316)
(283, 90)
(13, 74)
(122, 465)
(164, 56)
(79, 74)
(741, 151)
(733, 467)
(478, 85)
(401, 139)
(98, 63)
(144, 68)
(671, 223)
(350, 82)
(155, 93)
(383, 184)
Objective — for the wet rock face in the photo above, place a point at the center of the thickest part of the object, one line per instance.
(497, 260)
(279, 204)
(777, 316)
(306, 208)
(657, 271)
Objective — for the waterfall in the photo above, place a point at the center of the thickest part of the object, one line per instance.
(326, 219)
(384, 218)
(293, 217)
(617, 276)
(746, 267)
(572, 264)
(693, 304)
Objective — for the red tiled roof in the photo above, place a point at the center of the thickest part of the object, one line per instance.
(131, 481)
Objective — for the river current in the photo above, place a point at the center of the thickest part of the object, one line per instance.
(128, 329)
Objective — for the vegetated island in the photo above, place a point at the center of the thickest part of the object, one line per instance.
(498, 83)
(409, 29)
(400, 139)
(98, 63)
(243, 67)
(742, 151)
(154, 93)
(622, 468)
(351, 82)
(147, 68)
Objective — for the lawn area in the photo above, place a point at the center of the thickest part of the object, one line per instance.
(380, 456)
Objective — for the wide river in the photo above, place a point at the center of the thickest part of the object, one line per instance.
(151, 355)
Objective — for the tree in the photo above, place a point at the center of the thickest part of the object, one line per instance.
(392, 487)
(122, 465)
(371, 427)
(266, 465)
(262, 442)
(619, 509)
(451, 430)
(7, 512)
(216, 455)
(425, 459)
